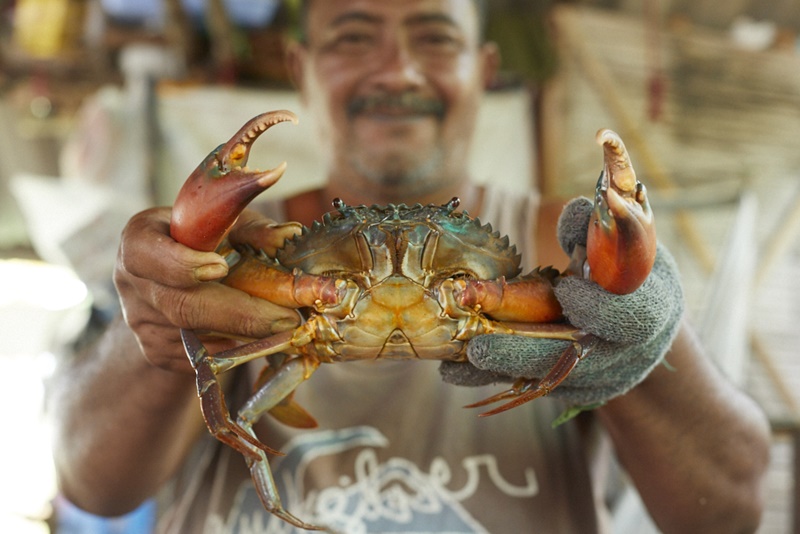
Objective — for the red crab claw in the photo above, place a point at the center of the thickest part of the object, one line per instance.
(621, 244)
(220, 187)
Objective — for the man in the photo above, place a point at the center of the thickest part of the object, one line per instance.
(394, 86)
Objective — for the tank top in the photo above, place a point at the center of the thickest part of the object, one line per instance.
(396, 452)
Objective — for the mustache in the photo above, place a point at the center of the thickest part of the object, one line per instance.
(402, 102)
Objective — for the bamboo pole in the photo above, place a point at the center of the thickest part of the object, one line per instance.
(774, 374)
(780, 242)
(775, 248)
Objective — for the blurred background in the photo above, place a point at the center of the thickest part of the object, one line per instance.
(107, 105)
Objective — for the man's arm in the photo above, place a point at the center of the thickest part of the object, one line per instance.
(122, 425)
(696, 447)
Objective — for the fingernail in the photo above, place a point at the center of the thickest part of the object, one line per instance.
(211, 271)
(293, 226)
(290, 228)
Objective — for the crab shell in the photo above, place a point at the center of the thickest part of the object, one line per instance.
(401, 263)
(421, 243)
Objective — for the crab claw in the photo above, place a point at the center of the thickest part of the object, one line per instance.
(220, 187)
(621, 244)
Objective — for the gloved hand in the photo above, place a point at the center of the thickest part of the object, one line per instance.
(636, 330)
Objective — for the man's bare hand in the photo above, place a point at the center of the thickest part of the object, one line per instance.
(164, 286)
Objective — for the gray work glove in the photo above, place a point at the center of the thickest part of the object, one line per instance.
(636, 330)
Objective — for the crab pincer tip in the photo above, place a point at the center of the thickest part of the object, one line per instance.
(267, 178)
(618, 169)
(606, 136)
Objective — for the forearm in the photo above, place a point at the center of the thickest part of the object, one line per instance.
(122, 426)
(694, 445)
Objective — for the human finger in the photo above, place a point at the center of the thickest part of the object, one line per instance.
(147, 251)
(514, 355)
(466, 374)
(218, 308)
(573, 224)
(156, 312)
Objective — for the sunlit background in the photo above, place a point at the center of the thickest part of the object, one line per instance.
(42, 309)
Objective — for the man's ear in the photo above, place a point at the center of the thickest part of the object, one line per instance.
(491, 62)
(295, 57)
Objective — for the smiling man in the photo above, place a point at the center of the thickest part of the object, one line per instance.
(395, 93)
(394, 87)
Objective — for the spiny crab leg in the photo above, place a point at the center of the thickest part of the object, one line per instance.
(621, 243)
(525, 390)
(212, 403)
(220, 187)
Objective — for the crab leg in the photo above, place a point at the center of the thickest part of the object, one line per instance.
(526, 389)
(290, 289)
(212, 402)
(530, 299)
(240, 435)
(269, 496)
(277, 388)
(268, 492)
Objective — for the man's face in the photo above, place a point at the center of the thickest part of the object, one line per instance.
(394, 85)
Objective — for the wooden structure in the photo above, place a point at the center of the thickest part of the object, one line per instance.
(726, 141)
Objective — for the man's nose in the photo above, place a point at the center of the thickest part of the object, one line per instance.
(398, 69)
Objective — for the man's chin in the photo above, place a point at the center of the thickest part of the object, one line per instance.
(395, 144)
(400, 171)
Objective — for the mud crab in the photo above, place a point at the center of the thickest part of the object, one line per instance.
(397, 281)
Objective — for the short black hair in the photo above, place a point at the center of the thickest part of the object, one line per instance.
(301, 19)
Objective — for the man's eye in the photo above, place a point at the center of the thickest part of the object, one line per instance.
(436, 39)
(438, 42)
(353, 40)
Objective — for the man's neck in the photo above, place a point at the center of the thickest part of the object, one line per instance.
(311, 205)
